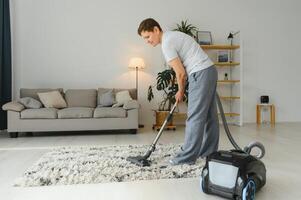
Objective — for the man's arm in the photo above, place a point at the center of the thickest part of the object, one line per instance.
(178, 67)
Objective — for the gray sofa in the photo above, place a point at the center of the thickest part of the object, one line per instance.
(81, 113)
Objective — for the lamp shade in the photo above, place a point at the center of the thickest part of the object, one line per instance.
(137, 63)
(230, 36)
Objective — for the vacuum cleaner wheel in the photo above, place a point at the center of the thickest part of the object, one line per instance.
(202, 184)
(249, 190)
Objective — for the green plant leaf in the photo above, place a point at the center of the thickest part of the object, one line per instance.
(186, 28)
(150, 94)
(166, 81)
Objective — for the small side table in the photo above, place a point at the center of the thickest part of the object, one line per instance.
(272, 113)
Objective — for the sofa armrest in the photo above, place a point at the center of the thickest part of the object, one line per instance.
(13, 106)
(13, 120)
(132, 104)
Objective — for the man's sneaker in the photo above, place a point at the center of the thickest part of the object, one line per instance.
(173, 162)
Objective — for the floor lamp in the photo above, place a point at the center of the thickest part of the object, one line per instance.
(137, 64)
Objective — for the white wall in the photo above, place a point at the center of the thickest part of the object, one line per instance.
(88, 43)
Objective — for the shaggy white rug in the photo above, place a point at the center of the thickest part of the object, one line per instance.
(85, 165)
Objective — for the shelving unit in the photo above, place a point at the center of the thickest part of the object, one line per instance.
(229, 98)
(232, 114)
(227, 64)
(230, 90)
(220, 47)
(228, 81)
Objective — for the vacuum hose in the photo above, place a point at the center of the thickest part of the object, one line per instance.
(248, 148)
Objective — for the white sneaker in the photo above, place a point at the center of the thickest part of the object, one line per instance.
(172, 162)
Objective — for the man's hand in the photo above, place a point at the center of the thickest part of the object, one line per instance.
(179, 96)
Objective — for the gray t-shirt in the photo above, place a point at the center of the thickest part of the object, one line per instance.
(177, 44)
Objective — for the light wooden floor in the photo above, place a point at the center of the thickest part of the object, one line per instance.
(283, 160)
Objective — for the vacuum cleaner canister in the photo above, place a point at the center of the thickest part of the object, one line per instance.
(233, 174)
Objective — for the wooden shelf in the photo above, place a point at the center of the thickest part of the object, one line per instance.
(231, 114)
(220, 46)
(226, 64)
(183, 116)
(229, 97)
(228, 81)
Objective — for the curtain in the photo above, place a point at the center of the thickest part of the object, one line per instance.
(5, 61)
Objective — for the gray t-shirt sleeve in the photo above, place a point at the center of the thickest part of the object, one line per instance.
(169, 51)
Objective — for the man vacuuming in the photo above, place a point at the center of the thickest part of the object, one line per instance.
(187, 59)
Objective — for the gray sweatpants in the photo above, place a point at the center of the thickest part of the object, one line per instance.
(202, 126)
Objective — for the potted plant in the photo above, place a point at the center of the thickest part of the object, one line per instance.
(166, 82)
(189, 29)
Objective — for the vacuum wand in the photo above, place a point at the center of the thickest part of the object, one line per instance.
(168, 118)
(142, 160)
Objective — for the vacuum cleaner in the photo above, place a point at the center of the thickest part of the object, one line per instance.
(234, 174)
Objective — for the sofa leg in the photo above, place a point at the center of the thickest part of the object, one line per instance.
(133, 131)
(13, 134)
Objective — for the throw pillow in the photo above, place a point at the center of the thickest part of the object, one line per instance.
(13, 106)
(122, 97)
(29, 102)
(106, 99)
(132, 104)
(52, 99)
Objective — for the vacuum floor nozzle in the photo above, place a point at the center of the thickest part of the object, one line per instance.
(139, 160)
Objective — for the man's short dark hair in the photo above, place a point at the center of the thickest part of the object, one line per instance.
(148, 25)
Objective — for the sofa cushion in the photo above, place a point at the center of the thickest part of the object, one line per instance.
(29, 102)
(109, 112)
(25, 92)
(122, 97)
(133, 92)
(41, 113)
(52, 99)
(105, 99)
(132, 104)
(101, 91)
(13, 106)
(75, 112)
(81, 98)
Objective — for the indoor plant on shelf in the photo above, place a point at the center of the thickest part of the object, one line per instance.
(189, 29)
(167, 83)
